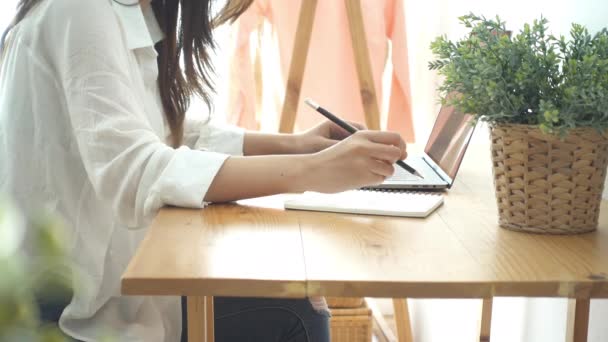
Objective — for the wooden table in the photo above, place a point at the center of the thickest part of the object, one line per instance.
(256, 248)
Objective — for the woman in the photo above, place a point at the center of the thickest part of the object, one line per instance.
(92, 126)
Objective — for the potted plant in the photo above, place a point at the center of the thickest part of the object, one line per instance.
(545, 99)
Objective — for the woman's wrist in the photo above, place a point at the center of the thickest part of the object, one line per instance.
(302, 174)
(305, 143)
(294, 143)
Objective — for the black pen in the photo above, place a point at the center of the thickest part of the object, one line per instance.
(350, 129)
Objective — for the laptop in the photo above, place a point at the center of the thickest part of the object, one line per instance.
(442, 155)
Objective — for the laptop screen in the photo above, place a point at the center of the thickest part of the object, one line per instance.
(449, 139)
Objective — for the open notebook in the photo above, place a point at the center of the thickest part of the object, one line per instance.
(406, 203)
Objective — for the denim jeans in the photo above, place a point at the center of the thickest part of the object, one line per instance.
(271, 320)
(246, 319)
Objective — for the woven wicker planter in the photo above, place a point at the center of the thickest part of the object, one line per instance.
(344, 302)
(547, 185)
(351, 325)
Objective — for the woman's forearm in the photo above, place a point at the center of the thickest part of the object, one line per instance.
(248, 177)
(363, 159)
(273, 164)
(256, 144)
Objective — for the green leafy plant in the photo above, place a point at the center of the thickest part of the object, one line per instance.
(531, 78)
(22, 279)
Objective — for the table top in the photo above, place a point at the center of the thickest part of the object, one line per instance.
(255, 248)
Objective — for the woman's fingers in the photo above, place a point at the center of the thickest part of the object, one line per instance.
(387, 138)
(403, 150)
(386, 153)
(357, 125)
(387, 146)
(339, 133)
(382, 168)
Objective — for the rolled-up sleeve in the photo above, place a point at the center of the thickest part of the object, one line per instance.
(207, 135)
(127, 163)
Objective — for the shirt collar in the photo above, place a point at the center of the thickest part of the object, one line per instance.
(140, 25)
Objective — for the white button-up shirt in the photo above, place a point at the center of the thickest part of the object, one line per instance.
(82, 133)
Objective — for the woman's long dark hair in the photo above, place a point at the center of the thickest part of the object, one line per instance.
(188, 35)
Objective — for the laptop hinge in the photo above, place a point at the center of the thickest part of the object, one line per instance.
(437, 170)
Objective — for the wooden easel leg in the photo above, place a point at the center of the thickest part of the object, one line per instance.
(367, 87)
(200, 319)
(297, 66)
(577, 320)
(402, 320)
(299, 54)
(486, 320)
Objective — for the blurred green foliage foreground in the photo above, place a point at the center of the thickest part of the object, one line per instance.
(32, 265)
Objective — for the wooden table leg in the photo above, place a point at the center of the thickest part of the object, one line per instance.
(578, 320)
(402, 320)
(200, 319)
(387, 333)
(210, 321)
(486, 320)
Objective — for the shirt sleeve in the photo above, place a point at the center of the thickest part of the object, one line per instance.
(127, 163)
(208, 135)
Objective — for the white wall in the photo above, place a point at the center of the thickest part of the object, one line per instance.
(6, 12)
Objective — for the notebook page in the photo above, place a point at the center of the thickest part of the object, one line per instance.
(410, 204)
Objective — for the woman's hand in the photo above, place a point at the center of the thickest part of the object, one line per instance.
(364, 159)
(322, 136)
